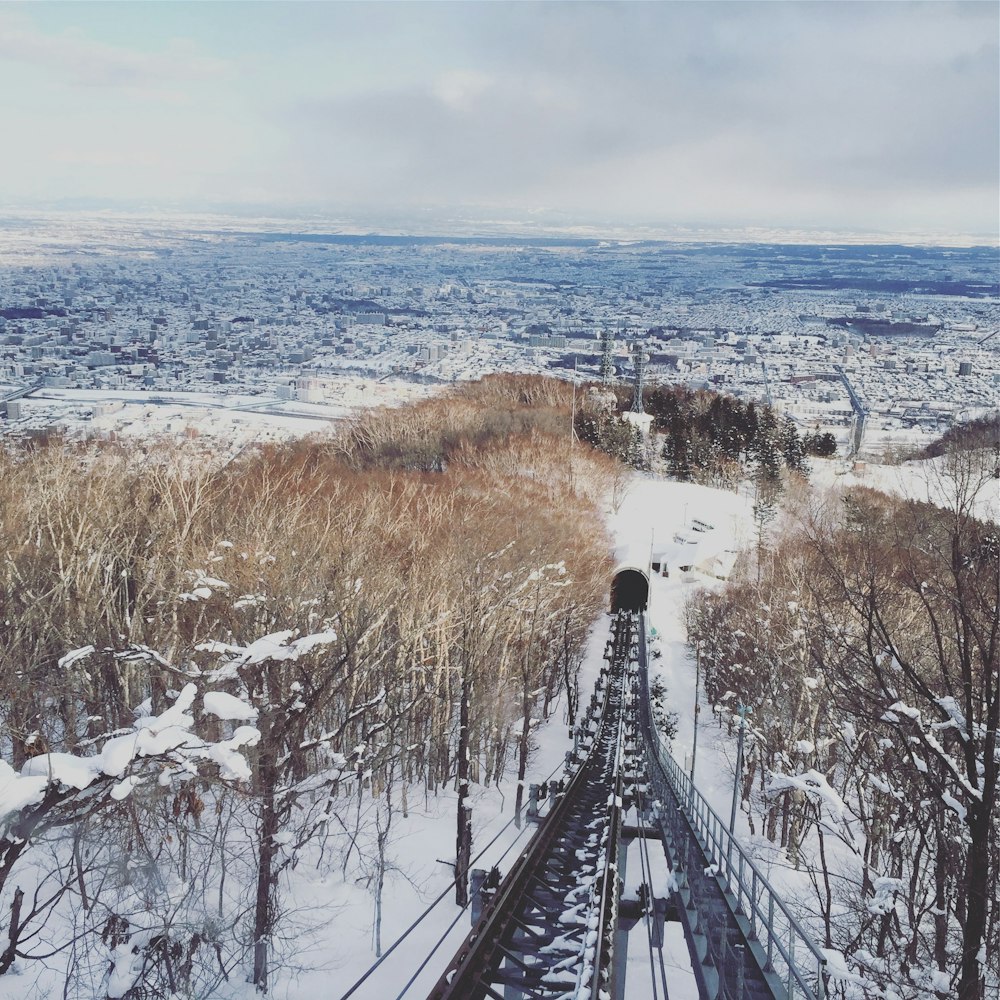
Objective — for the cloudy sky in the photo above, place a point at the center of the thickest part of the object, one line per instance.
(865, 116)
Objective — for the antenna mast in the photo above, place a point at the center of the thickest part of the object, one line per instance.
(607, 357)
(639, 362)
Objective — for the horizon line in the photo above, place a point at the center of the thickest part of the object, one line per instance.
(272, 219)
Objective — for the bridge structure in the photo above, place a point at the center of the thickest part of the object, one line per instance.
(556, 926)
(860, 413)
(20, 392)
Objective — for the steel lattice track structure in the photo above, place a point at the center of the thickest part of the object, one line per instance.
(548, 932)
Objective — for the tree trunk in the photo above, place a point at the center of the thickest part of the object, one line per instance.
(463, 839)
(522, 751)
(263, 908)
(971, 985)
(940, 898)
(13, 931)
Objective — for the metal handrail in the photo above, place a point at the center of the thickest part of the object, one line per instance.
(758, 900)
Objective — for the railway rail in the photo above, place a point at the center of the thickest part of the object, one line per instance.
(548, 932)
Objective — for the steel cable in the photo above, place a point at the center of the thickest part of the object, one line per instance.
(647, 881)
(416, 923)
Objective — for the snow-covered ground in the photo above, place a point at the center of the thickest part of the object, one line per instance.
(228, 421)
(659, 509)
(931, 480)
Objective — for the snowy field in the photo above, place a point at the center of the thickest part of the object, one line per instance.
(928, 480)
(223, 422)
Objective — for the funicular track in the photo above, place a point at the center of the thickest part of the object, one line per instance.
(548, 931)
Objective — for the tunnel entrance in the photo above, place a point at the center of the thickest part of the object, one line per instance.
(629, 591)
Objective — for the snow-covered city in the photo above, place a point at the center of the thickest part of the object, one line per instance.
(115, 327)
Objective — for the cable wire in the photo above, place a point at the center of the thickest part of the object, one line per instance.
(420, 919)
(430, 954)
(451, 926)
(644, 845)
(642, 827)
(409, 930)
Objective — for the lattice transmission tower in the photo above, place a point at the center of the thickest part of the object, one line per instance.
(607, 357)
(639, 358)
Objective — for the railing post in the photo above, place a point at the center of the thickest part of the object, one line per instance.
(791, 962)
(532, 803)
(739, 886)
(476, 879)
(729, 863)
(770, 933)
(723, 867)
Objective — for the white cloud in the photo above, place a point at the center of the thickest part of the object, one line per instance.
(83, 61)
(834, 113)
(461, 89)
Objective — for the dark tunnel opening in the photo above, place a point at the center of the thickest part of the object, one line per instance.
(629, 591)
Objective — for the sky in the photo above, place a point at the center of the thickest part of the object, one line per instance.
(852, 116)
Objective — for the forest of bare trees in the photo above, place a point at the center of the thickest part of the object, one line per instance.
(212, 675)
(205, 671)
(867, 642)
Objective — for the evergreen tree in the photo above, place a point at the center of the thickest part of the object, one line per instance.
(792, 448)
(766, 453)
(821, 445)
(607, 432)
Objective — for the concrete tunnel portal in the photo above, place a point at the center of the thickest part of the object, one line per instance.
(629, 590)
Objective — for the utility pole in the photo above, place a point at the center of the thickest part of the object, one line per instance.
(572, 424)
(697, 709)
(743, 710)
(639, 362)
(572, 435)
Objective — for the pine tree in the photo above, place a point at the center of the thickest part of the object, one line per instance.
(792, 448)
